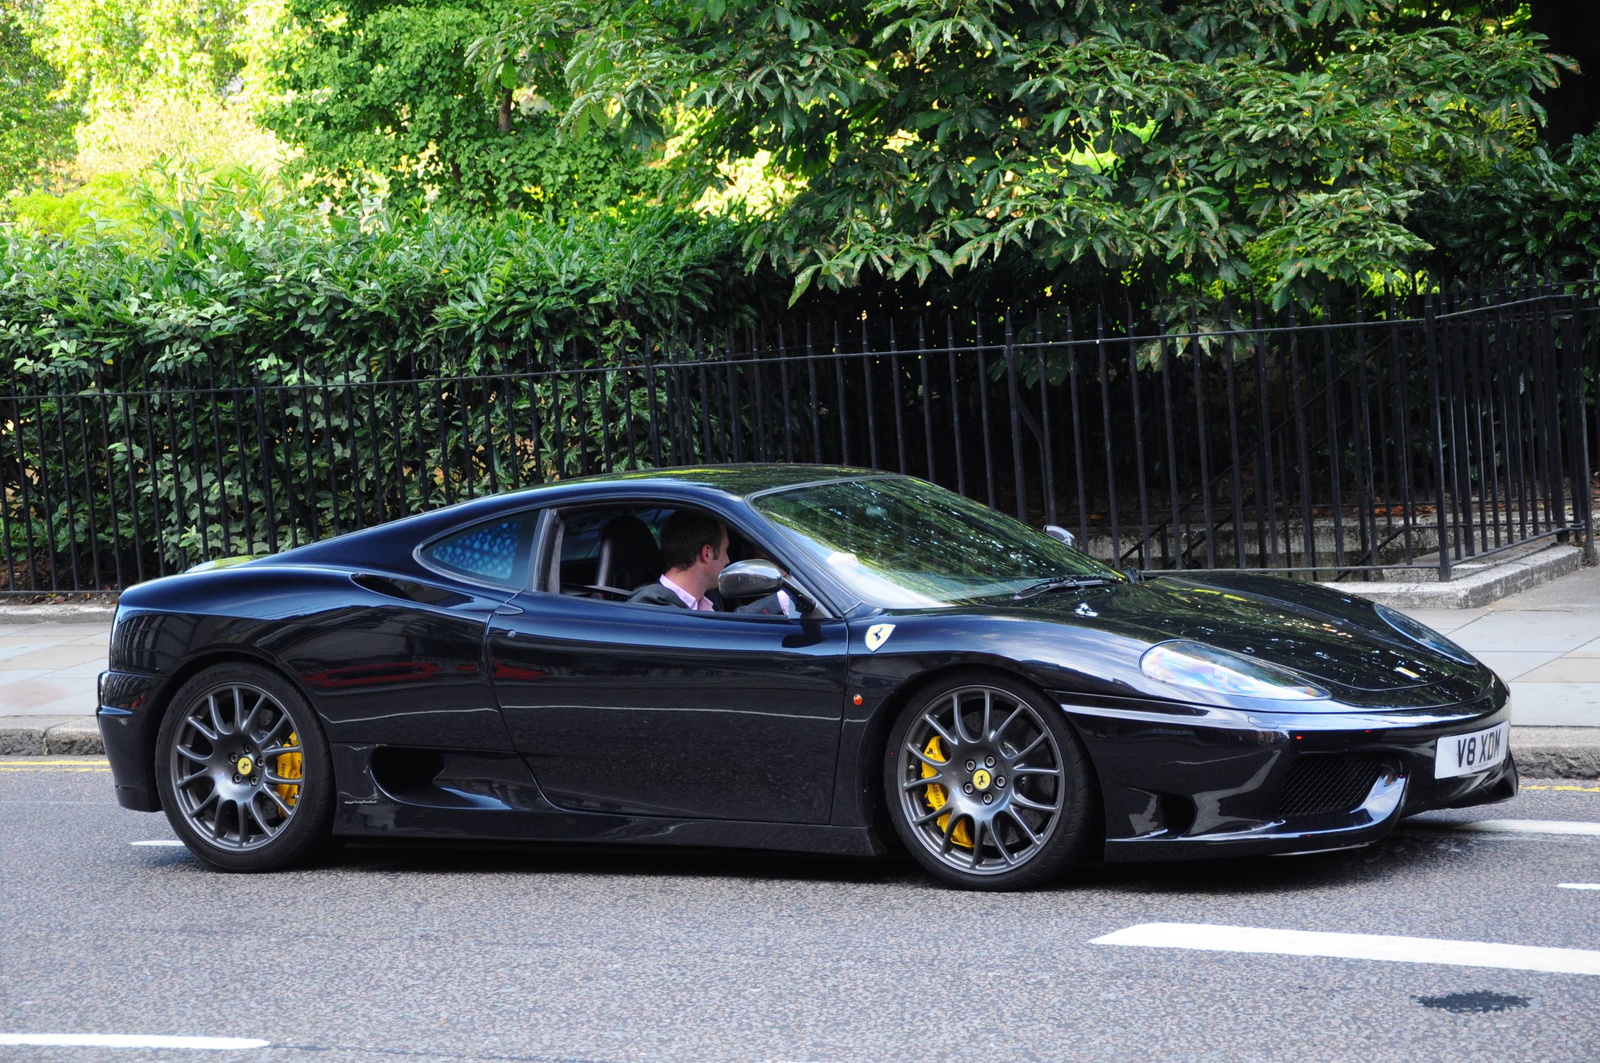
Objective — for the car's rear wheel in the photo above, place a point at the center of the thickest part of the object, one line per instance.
(987, 785)
(244, 771)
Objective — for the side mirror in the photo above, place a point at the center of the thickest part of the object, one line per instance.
(756, 578)
(1056, 531)
(750, 579)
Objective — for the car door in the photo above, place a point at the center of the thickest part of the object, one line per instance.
(652, 710)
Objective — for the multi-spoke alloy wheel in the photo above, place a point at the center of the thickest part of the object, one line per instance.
(243, 769)
(988, 786)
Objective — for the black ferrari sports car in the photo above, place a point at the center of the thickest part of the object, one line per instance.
(940, 677)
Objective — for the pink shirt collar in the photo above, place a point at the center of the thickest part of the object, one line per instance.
(703, 604)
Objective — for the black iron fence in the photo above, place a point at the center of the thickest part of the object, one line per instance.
(1383, 436)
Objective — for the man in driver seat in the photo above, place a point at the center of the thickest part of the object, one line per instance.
(694, 549)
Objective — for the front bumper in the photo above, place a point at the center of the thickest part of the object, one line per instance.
(1180, 782)
(128, 729)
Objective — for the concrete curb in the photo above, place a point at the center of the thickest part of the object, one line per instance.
(58, 613)
(1541, 752)
(1477, 589)
(42, 736)
(1557, 752)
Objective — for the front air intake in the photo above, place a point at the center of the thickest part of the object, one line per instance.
(1319, 785)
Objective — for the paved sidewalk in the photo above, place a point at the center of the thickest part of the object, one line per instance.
(1544, 642)
(50, 669)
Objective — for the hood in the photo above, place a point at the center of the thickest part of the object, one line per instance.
(1335, 639)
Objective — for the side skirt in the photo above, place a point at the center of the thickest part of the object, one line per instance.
(493, 797)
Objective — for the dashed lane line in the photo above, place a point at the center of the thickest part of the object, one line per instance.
(123, 1040)
(1530, 826)
(1210, 937)
(1563, 787)
(1578, 885)
(162, 842)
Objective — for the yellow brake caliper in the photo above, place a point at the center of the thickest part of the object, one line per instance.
(289, 768)
(936, 797)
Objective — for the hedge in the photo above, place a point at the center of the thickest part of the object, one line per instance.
(227, 285)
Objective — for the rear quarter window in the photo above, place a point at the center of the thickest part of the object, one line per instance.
(496, 551)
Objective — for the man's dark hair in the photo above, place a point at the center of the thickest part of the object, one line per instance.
(684, 533)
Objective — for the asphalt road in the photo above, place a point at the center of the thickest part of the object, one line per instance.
(480, 953)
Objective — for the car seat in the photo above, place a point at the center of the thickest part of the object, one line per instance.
(629, 556)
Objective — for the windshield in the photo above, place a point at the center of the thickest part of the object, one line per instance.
(903, 543)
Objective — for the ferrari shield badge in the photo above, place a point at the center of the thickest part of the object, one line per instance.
(877, 635)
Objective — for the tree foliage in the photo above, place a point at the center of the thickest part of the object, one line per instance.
(1218, 140)
(117, 52)
(36, 116)
(1539, 207)
(387, 89)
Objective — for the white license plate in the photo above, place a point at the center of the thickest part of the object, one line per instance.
(1465, 754)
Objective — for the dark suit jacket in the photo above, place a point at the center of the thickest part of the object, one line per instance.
(656, 594)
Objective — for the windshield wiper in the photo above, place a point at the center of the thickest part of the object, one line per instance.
(1060, 583)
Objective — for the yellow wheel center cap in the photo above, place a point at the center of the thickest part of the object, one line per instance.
(981, 778)
(245, 766)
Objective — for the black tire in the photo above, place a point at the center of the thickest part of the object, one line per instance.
(1003, 831)
(230, 782)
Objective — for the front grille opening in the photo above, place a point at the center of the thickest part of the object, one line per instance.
(1318, 785)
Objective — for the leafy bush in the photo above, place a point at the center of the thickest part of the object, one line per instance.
(1536, 206)
(228, 281)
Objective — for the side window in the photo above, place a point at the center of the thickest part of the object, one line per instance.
(611, 552)
(608, 553)
(495, 551)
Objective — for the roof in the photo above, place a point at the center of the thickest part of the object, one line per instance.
(398, 537)
(740, 480)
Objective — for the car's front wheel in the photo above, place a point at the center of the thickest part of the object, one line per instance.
(987, 785)
(244, 771)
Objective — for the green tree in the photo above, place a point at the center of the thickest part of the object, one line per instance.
(387, 89)
(119, 51)
(1284, 141)
(36, 120)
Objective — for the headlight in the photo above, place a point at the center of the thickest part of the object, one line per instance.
(1202, 667)
(1422, 633)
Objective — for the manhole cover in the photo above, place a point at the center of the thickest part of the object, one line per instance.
(1470, 1003)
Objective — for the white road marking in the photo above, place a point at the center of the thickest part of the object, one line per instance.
(160, 841)
(125, 1040)
(1578, 885)
(1531, 826)
(1212, 938)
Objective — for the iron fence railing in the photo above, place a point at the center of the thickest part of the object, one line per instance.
(1385, 436)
